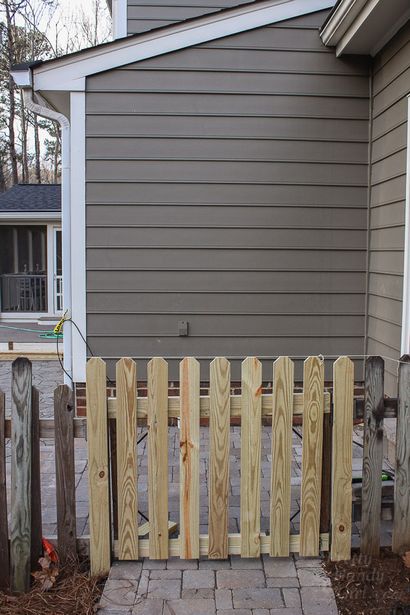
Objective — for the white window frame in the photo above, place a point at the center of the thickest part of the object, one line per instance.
(51, 312)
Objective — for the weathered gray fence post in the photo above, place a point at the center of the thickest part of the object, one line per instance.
(65, 473)
(4, 534)
(36, 522)
(21, 437)
(401, 525)
(372, 456)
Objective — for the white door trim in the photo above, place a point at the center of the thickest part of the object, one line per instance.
(405, 329)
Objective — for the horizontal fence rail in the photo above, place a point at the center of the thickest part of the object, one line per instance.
(327, 418)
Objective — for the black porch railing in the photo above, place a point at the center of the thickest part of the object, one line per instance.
(23, 292)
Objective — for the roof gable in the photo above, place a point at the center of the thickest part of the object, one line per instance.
(69, 72)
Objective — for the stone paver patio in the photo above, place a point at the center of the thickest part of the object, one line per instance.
(237, 586)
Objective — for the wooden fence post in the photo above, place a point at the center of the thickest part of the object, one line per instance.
(4, 534)
(343, 382)
(372, 456)
(65, 473)
(312, 447)
(219, 437)
(98, 467)
(157, 377)
(189, 458)
(282, 418)
(401, 525)
(251, 427)
(21, 436)
(36, 522)
(126, 377)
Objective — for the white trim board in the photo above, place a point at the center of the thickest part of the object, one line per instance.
(69, 72)
(119, 18)
(364, 26)
(405, 328)
(30, 216)
(78, 265)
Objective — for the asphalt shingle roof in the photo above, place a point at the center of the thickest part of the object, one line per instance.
(31, 197)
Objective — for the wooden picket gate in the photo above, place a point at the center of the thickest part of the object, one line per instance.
(282, 404)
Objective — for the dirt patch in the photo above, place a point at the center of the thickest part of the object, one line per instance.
(74, 593)
(371, 586)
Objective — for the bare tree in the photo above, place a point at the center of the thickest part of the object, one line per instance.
(9, 9)
(30, 147)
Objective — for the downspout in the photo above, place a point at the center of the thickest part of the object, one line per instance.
(45, 111)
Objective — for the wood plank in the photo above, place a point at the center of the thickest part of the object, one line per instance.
(20, 543)
(343, 390)
(189, 378)
(234, 544)
(251, 456)
(283, 375)
(219, 437)
(4, 532)
(312, 441)
(372, 456)
(126, 378)
(401, 522)
(157, 378)
(204, 402)
(65, 474)
(98, 469)
(36, 521)
(47, 428)
(144, 528)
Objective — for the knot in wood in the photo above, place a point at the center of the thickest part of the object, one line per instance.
(341, 528)
(101, 474)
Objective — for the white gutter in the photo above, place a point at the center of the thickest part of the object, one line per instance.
(45, 111)
(11, 216)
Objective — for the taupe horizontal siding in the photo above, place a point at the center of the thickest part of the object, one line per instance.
(149, 15)
(221, 82)
(210, 172)
(334, 284)
(306, 304)
(237, 258)
(222, 216)
(204, 148)
(227, 186)
(391, 85)
(177, 193)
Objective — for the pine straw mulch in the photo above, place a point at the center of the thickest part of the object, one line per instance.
(371, 586)
(74, 592)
